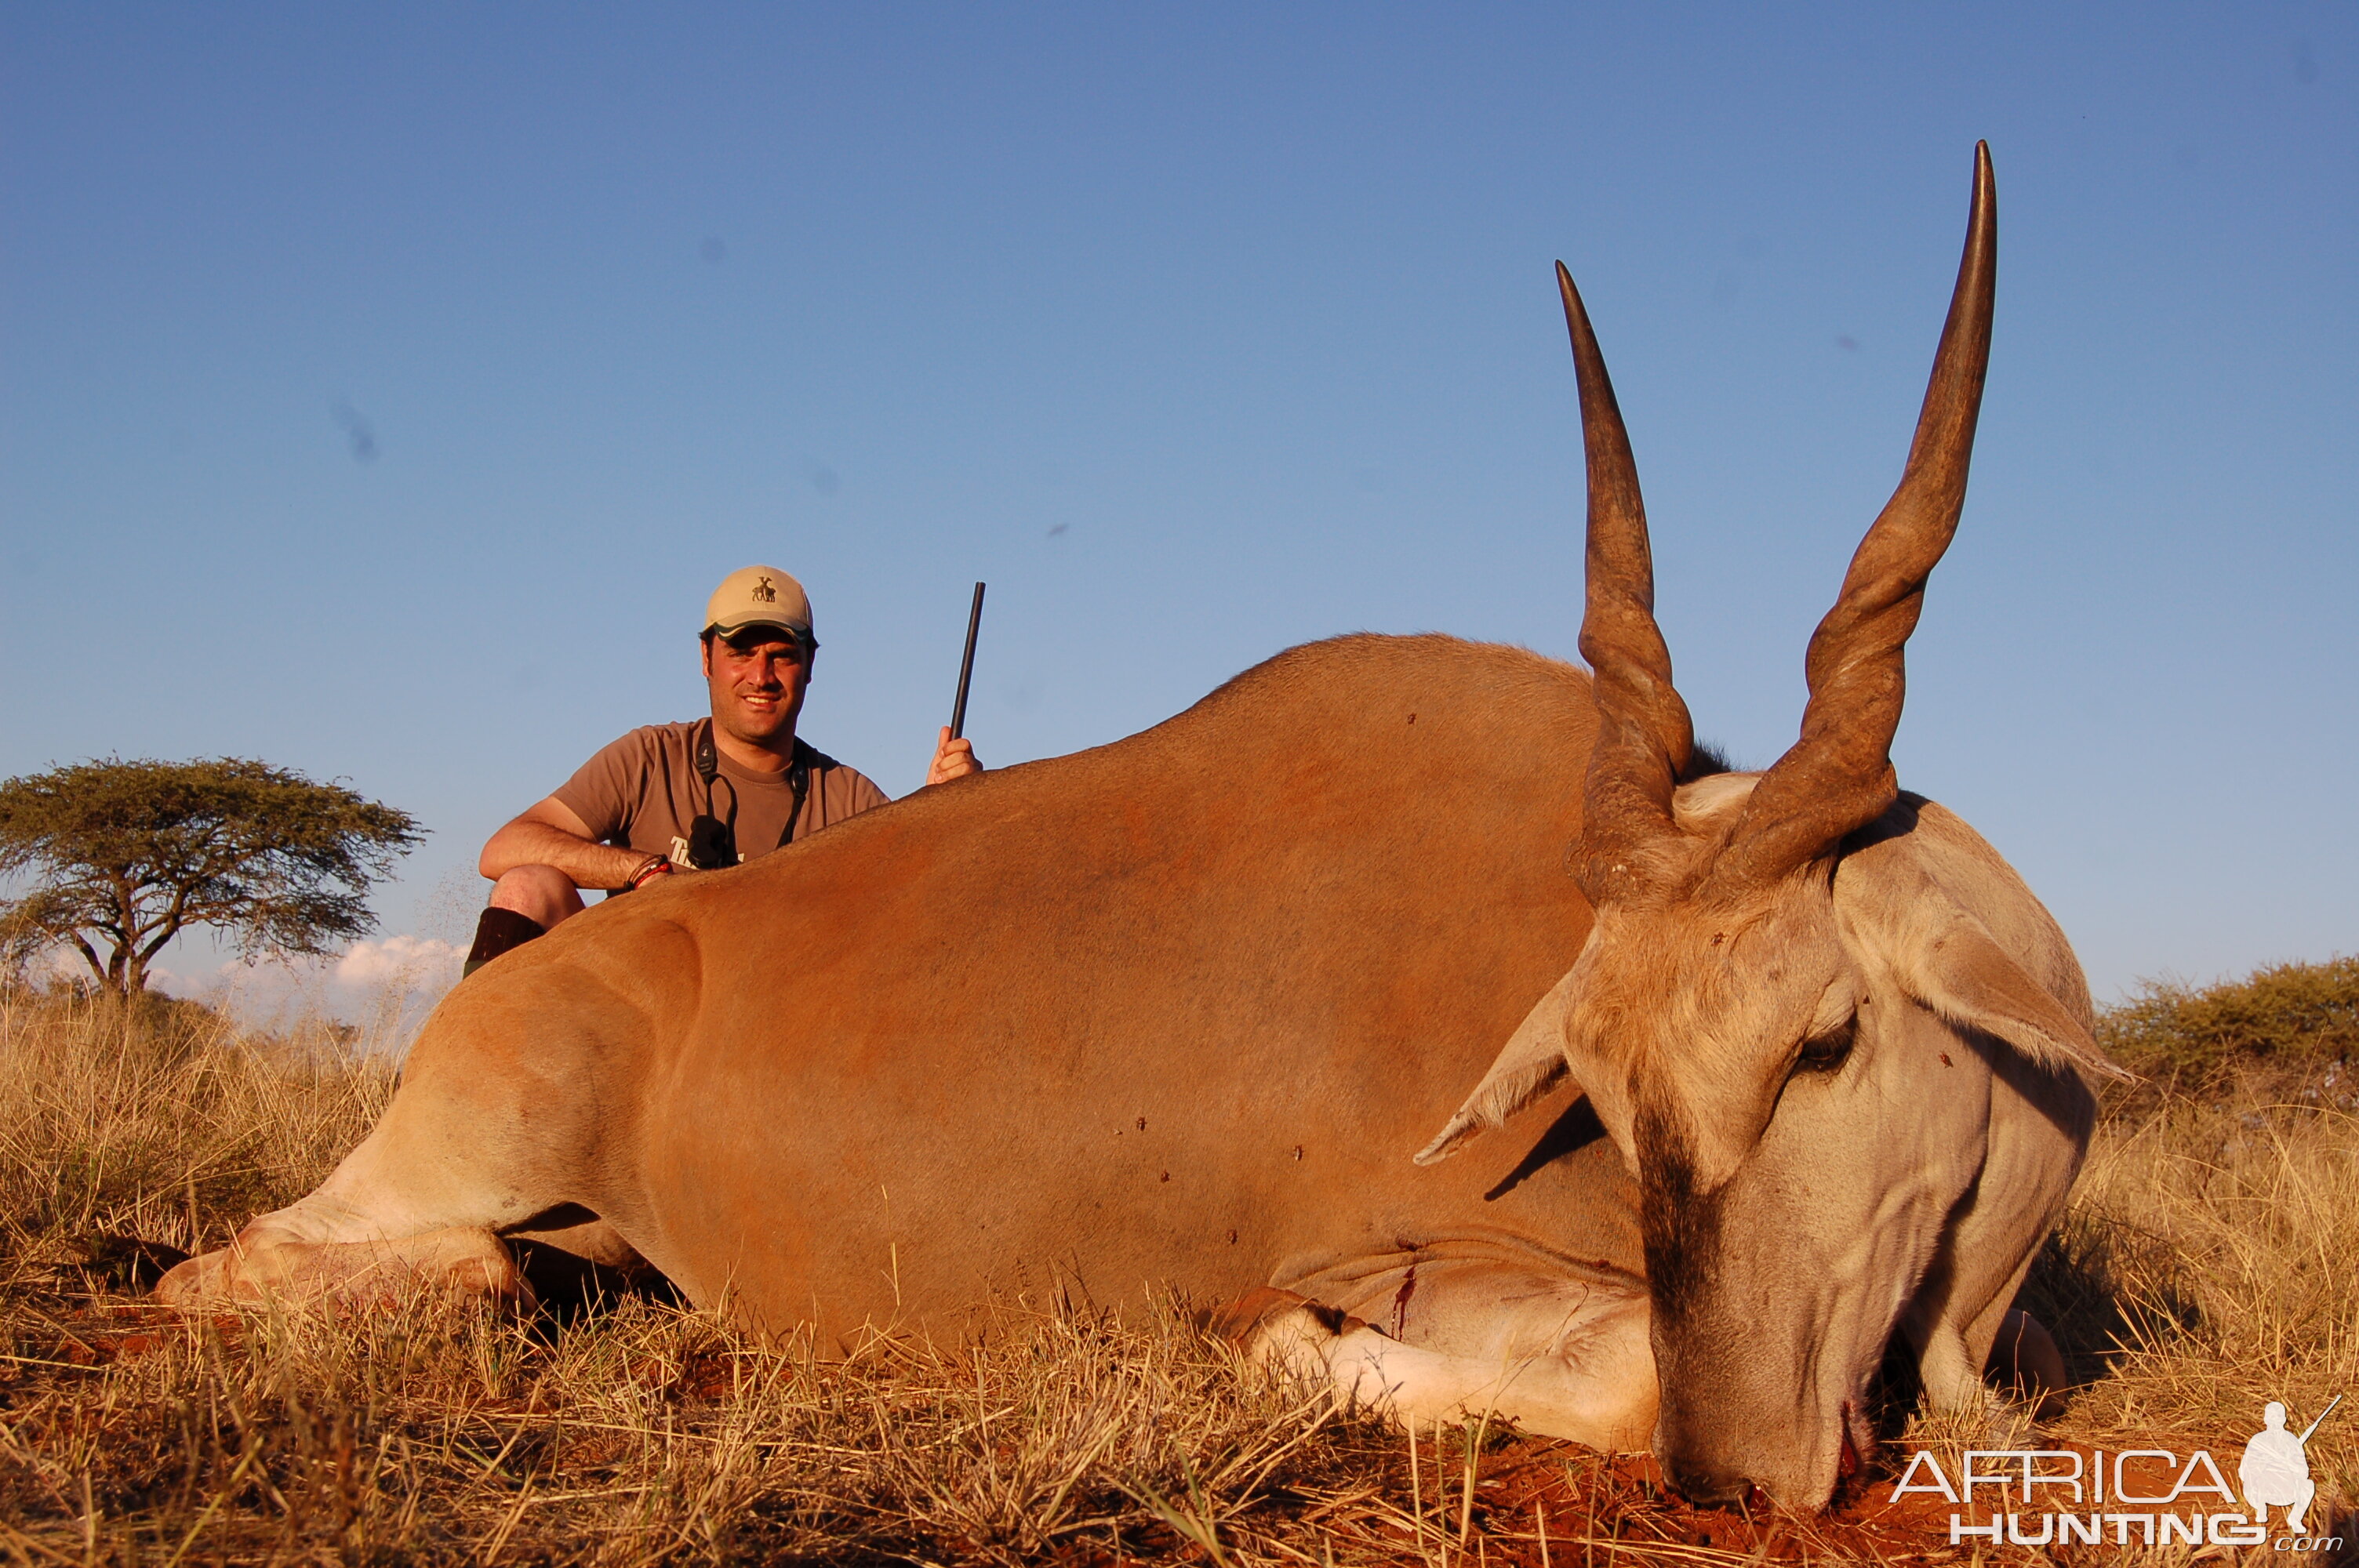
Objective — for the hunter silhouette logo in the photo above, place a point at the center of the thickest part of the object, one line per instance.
(763, 592)
(2275, 1471)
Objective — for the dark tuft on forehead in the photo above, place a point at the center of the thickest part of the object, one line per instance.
(1681, 1227)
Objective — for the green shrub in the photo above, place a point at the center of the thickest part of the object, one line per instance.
(2283, 1014)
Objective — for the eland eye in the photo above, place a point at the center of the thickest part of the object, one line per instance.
(1825, 1053)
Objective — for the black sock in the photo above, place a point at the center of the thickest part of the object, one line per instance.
(500, 930)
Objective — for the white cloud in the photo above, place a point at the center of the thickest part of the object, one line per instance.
(418, 962)
(58, 964)
(62, 965)
(386, 987)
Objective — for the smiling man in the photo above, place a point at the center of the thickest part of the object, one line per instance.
(695, 797)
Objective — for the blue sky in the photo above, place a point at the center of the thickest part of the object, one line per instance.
(382, 389)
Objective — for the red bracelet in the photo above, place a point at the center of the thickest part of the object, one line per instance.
(655, 866)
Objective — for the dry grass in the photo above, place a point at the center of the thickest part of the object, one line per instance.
(170, 1123)
(2206, 1267)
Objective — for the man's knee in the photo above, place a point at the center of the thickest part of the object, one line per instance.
(526, 902)
(540, 893)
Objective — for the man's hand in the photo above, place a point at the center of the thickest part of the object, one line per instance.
(952, 760)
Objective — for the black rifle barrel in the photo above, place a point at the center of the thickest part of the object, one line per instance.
(966, 664)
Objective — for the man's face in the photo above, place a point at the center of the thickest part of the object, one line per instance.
(758, 677)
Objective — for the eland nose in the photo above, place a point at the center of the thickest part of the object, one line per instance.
(1705, 1484)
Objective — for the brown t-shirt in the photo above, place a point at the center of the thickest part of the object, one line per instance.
(642, 791)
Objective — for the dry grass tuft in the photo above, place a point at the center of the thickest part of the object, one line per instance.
(165, 1122)
(2204, 1267)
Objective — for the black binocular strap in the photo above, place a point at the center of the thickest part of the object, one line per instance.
(710, 838)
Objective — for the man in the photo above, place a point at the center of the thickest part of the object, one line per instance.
(672, 797)
(2276, 1470)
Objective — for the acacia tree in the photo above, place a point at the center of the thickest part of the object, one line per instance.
(118, 858)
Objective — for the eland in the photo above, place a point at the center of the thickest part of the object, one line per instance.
(1809, 1060)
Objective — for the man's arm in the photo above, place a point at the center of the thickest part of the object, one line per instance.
(552, 834)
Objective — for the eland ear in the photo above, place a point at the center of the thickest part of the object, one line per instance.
(1963, 974)
(1530, 1066)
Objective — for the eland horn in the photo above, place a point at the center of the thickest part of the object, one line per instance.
(1838, 776)
(1644, 734)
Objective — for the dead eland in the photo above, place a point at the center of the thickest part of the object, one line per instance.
(1806, 1057)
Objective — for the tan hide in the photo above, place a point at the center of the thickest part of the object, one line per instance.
(1176, 1010)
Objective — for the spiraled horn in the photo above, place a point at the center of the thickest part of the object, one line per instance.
(1644, 734)
(1838, 776)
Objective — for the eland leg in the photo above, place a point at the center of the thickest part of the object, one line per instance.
(1465, 1339)
(2025, 1362)
(472, 1146)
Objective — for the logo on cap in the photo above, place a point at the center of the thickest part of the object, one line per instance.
(763, 592)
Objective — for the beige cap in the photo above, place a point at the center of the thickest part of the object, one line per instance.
(759, 596)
